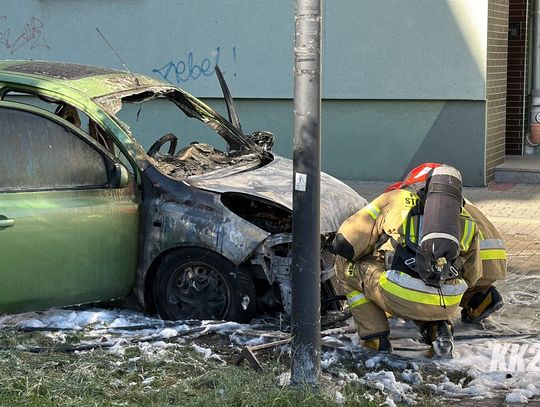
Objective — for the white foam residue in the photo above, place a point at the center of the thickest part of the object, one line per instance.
(148, 381)
(70, 319)
(154, 351)
(386, 382)
(339, 399)
(389, 402)
(495, 364)
(374, 361)
(33, 323)
(349, 377)
(284, 379)
(207, 353)
(333, 331)
(411, 377)
(225, 327)
(505, 364)
(523, 395)
(168, 333)
(120, 323)
(245, 302)
(328, 359)
(331, 341)
(450, 389)
(244, 340)
(119, 348)
(521, 297)
(369, 397)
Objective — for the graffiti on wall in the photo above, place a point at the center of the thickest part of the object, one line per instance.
(192, 68)
(30, 35)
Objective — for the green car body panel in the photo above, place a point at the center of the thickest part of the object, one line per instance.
(62, 246)
(89, 266)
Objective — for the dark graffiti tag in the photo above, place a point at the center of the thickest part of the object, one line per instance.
(31, 35)
(190, 68)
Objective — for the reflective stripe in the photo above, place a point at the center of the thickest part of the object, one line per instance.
(404, 224)
(412, 233)
(491, 244)
(440, 236)
(372, 210)
(493, 254)
(468, 233)
(406, 281)
(492, 249)
(428, 295)
(356, 298)
(447, 170)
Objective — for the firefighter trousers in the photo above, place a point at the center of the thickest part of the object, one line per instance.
(371, 297)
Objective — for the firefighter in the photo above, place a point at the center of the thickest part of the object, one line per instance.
(483, 299)
(403, 255)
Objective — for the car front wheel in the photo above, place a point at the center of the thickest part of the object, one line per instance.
(199, 284)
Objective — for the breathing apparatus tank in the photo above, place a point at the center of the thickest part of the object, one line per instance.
(441, 225)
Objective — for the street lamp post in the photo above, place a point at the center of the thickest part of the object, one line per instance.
(306, 292)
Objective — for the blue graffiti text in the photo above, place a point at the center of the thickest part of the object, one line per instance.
(191, 68)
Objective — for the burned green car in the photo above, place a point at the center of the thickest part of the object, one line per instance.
(198, 226)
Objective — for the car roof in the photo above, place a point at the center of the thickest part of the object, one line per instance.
(92, 81)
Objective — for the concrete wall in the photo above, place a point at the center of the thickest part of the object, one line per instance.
(404, 80)
(380, 139)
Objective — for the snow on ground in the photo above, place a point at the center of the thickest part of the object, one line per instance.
(497, 365)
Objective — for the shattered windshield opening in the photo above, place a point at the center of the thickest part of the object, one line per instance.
(185, 139)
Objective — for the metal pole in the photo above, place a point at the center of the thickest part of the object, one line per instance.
(536, 45)
(534, 135)
(306, 265)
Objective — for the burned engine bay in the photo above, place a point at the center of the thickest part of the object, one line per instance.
(218, 146)
(202, 158)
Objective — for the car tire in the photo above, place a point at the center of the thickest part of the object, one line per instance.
(196, 283)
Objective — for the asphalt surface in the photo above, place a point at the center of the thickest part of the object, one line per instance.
(515, 210)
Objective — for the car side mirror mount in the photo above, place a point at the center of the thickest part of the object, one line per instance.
(120, 176)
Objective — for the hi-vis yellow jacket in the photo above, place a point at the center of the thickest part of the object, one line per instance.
(388, 214)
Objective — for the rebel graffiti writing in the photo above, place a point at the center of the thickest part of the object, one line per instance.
(30, 35)
(191, 67)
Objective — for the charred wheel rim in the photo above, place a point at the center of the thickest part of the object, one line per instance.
(197, 290)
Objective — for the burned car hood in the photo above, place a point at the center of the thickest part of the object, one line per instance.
(273, 182)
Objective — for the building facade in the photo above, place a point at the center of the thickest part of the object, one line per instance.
(404, 81)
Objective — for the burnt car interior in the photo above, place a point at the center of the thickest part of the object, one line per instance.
(196, 131)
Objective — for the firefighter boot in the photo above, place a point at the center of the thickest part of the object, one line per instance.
(481, 306)
(439, 334)
(379, 343)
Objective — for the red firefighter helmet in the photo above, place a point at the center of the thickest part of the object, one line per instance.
(416, 175)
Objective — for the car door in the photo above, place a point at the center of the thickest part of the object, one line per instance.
(68, 230)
